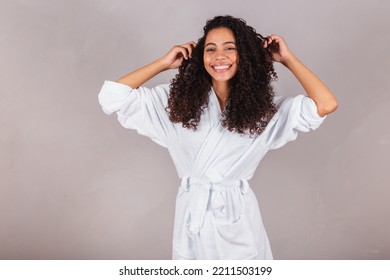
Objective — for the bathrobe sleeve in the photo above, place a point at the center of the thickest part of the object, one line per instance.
(141, 109)
(295, 114)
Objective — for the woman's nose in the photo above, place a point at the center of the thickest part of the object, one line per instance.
(220, 56)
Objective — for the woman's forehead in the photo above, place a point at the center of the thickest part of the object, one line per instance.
(220, 35)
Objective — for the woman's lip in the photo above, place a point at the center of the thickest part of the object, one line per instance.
(221, 68)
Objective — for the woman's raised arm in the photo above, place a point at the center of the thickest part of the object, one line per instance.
(325, 100)
(171, 60)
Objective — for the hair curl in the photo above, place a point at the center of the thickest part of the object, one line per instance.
(250, 105)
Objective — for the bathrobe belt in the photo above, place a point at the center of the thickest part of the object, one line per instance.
(201, 198)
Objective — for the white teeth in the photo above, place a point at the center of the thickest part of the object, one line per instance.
(221, 67)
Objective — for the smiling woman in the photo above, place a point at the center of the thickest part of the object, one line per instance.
(220, 61)
(218, 118)
(244, 91)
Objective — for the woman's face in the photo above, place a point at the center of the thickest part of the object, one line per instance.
(220, 55)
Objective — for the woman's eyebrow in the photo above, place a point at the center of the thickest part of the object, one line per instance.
(225, 43)
(229, 43)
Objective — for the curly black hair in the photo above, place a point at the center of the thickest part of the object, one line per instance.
(250, 105)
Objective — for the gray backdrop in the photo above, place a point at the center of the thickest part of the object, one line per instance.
(76, 185)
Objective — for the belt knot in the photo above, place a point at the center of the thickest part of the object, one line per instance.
(200, 191)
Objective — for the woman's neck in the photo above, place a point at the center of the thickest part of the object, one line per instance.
(222, 90)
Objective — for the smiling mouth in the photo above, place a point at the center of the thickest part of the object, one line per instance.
(221, 68)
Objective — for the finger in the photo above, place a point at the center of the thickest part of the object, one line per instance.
(189, 47)
(276, 38)
(193, 45)
(269, 40)
(182, 50)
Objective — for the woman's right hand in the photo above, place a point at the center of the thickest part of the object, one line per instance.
(174, 58)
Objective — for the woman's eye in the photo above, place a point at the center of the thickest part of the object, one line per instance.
(231, 49)
(209, 50)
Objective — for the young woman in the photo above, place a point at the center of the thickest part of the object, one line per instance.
(218, 118)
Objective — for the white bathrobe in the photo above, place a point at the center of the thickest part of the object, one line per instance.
(217, 214)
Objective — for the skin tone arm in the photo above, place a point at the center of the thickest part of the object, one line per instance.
(171, 60)
(314, 87)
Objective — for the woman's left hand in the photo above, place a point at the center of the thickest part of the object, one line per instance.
(278, 48)
(325, 100)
